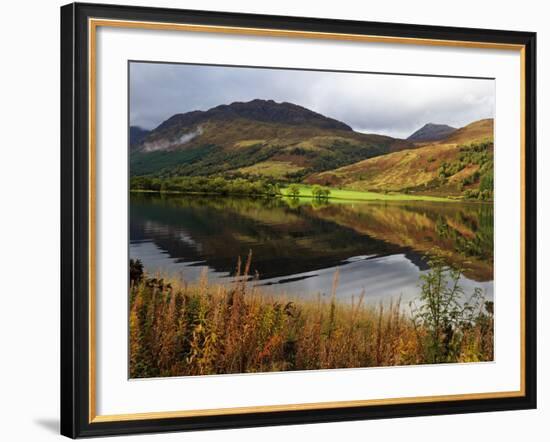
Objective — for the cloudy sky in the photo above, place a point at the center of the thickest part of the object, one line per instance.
(395, 105)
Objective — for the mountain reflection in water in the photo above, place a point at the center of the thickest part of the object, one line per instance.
(378, 248)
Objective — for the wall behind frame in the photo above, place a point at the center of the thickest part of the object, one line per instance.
(29, 225)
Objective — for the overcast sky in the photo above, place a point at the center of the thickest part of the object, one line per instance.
(395, 105)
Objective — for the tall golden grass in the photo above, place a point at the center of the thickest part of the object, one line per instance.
(181, 329)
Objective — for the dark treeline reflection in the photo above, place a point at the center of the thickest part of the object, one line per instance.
(374, 244)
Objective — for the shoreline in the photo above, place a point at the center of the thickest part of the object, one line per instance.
(181, 329)
(356, 196)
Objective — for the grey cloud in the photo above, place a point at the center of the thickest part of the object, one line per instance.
(395, 105)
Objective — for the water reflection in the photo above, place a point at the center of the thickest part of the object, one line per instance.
(378, 248)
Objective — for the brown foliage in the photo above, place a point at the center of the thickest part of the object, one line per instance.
(179, 329)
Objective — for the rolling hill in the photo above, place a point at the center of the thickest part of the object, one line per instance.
(458, 165)
(258, 138)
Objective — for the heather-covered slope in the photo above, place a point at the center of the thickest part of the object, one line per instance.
(261, 137)
(459, 165)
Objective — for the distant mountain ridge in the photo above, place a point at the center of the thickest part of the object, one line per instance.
(266, 111)
(431, 132)
(259, 137)
(137, 134)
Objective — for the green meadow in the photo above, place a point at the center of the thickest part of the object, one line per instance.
(354, 195)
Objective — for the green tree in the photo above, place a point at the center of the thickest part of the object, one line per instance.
(444, 311)
(317, 191)
(325, 192)
(294, 190)
(486, 182)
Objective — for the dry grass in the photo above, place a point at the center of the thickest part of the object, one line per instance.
(180, 329)
(411, 168)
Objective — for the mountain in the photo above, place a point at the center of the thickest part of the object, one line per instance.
(431, 132)
(259, 137)
(137, 134)
(459, 163)
(267, 111)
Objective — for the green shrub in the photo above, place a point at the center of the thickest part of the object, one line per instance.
(294, 190)
(445, 314)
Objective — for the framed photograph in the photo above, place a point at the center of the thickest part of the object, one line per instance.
(280, 220)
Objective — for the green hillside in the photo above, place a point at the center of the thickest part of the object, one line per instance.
(259, 138)
(460, 165)
(284, 143)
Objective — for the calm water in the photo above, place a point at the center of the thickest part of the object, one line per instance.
(378, 248)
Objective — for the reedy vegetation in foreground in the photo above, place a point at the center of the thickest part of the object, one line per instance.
(199, 329)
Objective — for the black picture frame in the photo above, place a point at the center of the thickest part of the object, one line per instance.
(75, 220)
